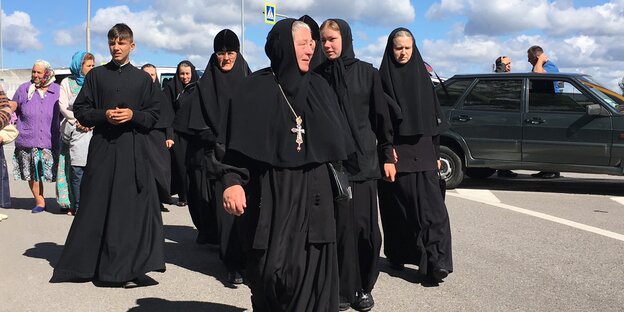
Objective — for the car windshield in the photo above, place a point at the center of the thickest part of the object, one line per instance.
(614, 99)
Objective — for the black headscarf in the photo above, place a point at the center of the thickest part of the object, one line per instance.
(318, 57)
(179, 96)
(416, 107)
(335, 72)
(175, 85)
(217, 87)
(260, 120)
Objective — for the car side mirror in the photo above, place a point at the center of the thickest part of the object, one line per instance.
(596, 110)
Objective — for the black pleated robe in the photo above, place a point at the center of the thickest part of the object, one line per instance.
(157, 151)
(117, 236)
(288, 226)
(415, 220)
(360, 93)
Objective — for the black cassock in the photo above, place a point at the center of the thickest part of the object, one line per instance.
(415, 220)
(288, 226)
(157, 151)
(360, 93)
(215, 89)
(118, 235)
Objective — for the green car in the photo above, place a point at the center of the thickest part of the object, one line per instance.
(543, 122)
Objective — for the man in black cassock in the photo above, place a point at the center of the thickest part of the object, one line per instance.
(117, 237)
(283, 130)
(361, 98)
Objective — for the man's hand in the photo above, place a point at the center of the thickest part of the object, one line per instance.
(439, 164)
(169, 144)
(234, 200)
(119, 115)
(389, 172)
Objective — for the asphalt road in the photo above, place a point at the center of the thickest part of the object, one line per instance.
(520, 244)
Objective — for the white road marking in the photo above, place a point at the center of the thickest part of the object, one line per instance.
(544, 216)
(619, 200)
(479, 195)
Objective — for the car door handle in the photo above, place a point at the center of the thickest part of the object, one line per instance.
(534, 121)
(462, 118)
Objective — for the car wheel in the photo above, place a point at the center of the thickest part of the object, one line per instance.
(480, 173)
(452, 167)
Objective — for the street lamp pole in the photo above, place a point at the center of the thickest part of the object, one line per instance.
(88, 25)
(243, 27)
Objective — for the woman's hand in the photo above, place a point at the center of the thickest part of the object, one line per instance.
(169, 144)
(389, 172)
(234, 200)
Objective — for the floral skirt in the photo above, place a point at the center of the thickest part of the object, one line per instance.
(34, 164)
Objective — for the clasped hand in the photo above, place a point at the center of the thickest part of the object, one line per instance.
(118, 115)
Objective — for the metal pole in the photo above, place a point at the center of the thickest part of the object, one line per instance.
(88, 25)
(243, 27)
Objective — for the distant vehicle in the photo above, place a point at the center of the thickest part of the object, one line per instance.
(542, 122)
(164, 74)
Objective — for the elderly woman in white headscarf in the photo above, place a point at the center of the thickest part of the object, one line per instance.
(38, 124)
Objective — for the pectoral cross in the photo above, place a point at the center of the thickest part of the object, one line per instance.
(299, 131)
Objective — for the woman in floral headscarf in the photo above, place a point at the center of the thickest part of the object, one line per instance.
(76, 137)
(38, 124)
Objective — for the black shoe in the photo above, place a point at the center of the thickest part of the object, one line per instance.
(506, 174)
(181, 203)
(439, 274)
(130, 284)
(235, 278)
(396, 265)
(363, 301)
(546, 175)
(64, 210)
(344, 306)
(163, 208)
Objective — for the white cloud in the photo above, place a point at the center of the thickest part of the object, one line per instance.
(19, 33)
(558, 18)
(63, 38)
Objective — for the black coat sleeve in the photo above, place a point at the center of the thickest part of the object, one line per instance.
(85, 109)
(235, 169)
(380, 120)
(146, 115)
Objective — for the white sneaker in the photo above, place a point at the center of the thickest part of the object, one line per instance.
(3, 217)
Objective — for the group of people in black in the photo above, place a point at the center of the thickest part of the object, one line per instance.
(262, 155)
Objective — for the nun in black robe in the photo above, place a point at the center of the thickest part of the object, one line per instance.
(288, 227)
(117, 236)
(361, 97)
(177, 92)
(318, 57)
(216, 87)
(157, 151)
(413, 214)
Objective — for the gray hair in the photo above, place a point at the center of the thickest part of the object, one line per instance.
(402, 33)
(298, 25)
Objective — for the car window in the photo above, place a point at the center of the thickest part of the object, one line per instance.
(613, 99)
(454, 90)
(165, 78)
(567, 99)
(495, 95)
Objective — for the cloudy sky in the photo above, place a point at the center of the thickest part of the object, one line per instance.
(454, 36)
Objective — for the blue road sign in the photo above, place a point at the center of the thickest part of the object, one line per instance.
(270, 15)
